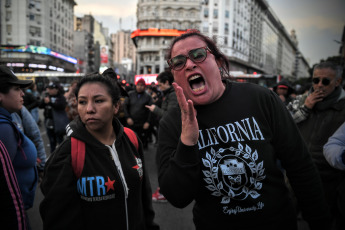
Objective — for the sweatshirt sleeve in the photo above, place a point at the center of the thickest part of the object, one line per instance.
(60, 208)
(300, 169)
(12, 207)
(334, 149)
(179, 165)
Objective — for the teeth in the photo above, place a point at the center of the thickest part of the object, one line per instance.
(194, 77)
(198, 89)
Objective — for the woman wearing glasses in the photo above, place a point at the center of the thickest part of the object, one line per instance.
(221, 148)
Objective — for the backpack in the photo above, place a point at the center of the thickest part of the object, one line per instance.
(78, 151)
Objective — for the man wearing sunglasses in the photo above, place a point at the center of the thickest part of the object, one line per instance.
(318, 114)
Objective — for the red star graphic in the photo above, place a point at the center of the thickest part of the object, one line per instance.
(110, 184)
(136, 167)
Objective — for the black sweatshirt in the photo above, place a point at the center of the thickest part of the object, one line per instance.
(97, 200)
(233, 173)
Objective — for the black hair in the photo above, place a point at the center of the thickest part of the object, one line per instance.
(108, 82)
(220, 57)
(166, 76)
(5, 88)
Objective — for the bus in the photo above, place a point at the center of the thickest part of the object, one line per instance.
(265, 80)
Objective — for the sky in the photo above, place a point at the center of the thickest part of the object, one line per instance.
(318, 23)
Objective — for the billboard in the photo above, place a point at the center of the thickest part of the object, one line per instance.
(149, 78)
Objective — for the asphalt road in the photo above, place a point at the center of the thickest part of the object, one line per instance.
(167, 216)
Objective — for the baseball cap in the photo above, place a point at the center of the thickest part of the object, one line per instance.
(7, 76)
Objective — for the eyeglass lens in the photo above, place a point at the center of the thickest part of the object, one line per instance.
(196, 55)
(325, 81)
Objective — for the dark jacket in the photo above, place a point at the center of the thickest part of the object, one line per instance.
(97, 199)
(169, 101)
(135, 107)
(320, 124)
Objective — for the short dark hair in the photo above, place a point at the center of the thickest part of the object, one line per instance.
(108, 82)
(5, 88)
(223, 60)
(166, 76)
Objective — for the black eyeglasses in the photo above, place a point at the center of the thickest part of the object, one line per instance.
(197, 55)
(325, 81)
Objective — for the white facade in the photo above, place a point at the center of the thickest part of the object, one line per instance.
(47, 23)
(41, 23)
(160, 14)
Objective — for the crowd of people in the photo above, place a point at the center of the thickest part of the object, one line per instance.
(257, 157)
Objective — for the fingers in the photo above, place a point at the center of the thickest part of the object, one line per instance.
(181, 98)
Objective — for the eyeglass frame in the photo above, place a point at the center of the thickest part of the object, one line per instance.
(322, 81)
(188, 57)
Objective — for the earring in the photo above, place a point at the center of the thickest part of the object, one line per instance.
(221, 71)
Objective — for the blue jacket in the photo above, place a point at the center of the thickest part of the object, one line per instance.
(29, 127)
(23, 155)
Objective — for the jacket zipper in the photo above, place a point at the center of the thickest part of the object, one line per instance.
(120, 172)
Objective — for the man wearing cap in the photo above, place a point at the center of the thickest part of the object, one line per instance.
(284, 90)
(137, 116)
(55, 117)
(21, 152)
(318, 114)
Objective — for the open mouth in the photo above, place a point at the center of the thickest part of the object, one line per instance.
(197, 83)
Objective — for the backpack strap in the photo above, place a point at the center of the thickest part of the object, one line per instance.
(132, 137)
(78, 151)
(77, 156)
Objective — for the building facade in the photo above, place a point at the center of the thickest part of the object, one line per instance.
(247, 31)
(37, 35)
(158, 22)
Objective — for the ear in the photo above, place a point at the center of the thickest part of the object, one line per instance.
(116, 107)
(338, 82)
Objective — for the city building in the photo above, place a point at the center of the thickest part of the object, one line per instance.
(124, 49)
(158, 22)
(37, 35)
(247, 31)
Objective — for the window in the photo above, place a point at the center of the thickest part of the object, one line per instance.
(9, 29)
(215, 13)
(206, 12)
(8, 3)
(226, 28)
(227, 14)
(8, 15)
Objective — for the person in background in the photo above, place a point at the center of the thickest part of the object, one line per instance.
(12, 208)
(165, 80)
(334, 149)
(221, 148)
(71, 108)
(35, 110)
(29, 127)
(285, 91)
(54, 103)
(334, 152)
(137, 116)
(318, 114)
(157, 100)
(113, 190)
(20, 148)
